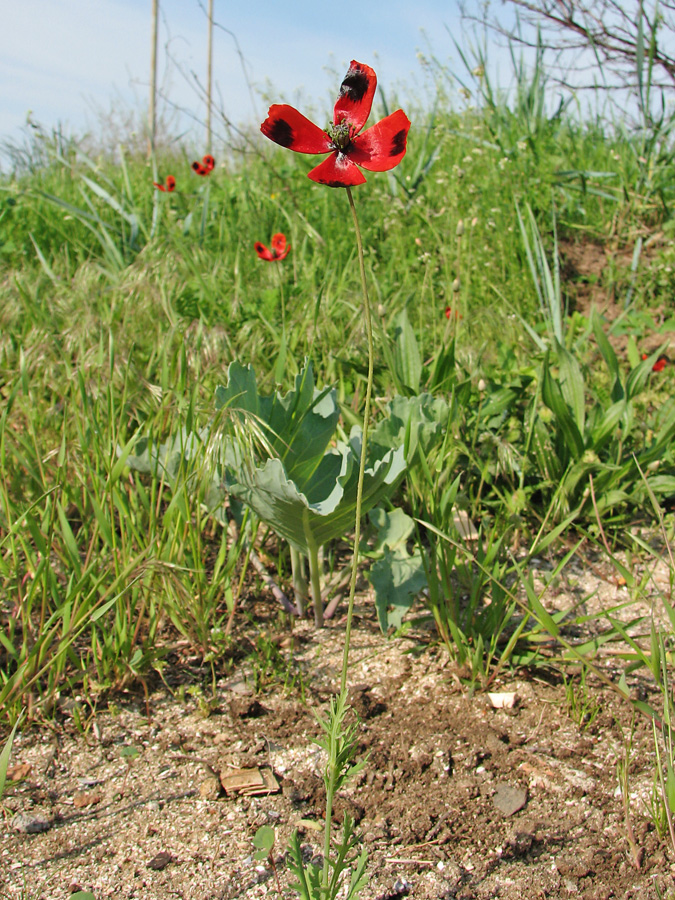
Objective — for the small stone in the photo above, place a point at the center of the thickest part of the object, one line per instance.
(509, 800)
(31, 823)
(572, 866)
(161, 861)
(209, 789)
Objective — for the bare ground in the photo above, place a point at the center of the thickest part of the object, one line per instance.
(459, 799)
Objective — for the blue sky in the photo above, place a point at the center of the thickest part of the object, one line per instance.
(63, 59)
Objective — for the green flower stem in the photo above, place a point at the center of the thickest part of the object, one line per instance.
(314, 574)
(364, 443)
(299, 580)
(277, 266)
(338, 755)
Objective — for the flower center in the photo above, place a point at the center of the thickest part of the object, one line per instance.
(340, 135)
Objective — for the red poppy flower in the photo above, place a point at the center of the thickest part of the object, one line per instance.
(280, 249)
(378, 148)
(449, 313)
(206, 166)
(169, 184)
(660, 363)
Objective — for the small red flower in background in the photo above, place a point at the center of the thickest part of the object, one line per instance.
(280, 249)
(206, 166)
(660, 363)
(450, 313)
(378, 148)
(169, 184)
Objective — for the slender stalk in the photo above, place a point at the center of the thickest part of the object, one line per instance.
(209, 77)
(364, 443)
(152, 111)
(314, 577)
(335, 718)
(336, 756)
(277, 266)
(299, 580)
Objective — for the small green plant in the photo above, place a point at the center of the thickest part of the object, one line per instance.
(263, 840)
(623, 775)
(580, 704)
(271, 668)
(325, 882)
(128, 754)
(205, 705)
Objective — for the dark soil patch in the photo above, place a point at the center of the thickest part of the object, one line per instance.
(584, 268)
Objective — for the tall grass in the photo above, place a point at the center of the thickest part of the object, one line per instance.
(121, 307)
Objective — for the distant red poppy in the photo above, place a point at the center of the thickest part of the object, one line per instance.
(660, 363)
(206, 166)
(449, 313)
(169, 184)
(379, 148)
(280, 249)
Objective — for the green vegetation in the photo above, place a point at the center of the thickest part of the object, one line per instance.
(127, 312)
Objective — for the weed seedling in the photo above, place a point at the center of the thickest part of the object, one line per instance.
(622, 771)
(264, 840)
(580, 705)
(128, 754)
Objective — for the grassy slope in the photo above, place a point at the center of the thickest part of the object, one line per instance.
(120, 309)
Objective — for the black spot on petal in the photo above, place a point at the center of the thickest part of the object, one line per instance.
(281, 133)
(354, 85)
(398, 143)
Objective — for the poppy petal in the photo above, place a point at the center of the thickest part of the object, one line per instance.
(170, 183)
(199, 168)
(263, 252)
(382, 146)
(160, 187)
(356, 96)
(278, 242)
(289, 128)
(209, 162)
(337, 171)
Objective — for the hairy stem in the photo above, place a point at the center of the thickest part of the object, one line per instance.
(364, 443)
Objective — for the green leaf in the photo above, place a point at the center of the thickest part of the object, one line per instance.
(416, 422)
(572, 385)
(609, 356)
(6, 752)
(323, 507)
(397, 577)
(264, 839)
(393, 529)
(396, 580)
(553, 398)
(407, 359)
(129, 752)
(298, 425)
(608, 424)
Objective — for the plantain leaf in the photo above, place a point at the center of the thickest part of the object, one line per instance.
(407, 359)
